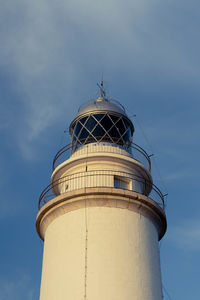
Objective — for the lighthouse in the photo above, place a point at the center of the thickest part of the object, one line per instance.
(101, 217)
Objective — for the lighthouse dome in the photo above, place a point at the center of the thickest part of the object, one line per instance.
(101, 104)
(101, 120)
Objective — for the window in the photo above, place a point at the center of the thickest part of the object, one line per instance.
(122, 182)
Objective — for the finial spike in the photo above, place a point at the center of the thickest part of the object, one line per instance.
(102, 92)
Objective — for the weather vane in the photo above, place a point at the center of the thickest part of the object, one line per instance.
(102, 92)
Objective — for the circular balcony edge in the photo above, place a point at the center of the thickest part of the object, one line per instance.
(91, 157)
(65, 153)
(92, 197)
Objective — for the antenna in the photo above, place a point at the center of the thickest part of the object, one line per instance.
(102, 92)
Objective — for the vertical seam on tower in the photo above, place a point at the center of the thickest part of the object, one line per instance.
(86, 237)
(86, 250)
(139, 238)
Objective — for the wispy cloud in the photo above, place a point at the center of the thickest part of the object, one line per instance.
(50, 48)
(9, 207)
(17, 288)
(180, 175)
(186, 236)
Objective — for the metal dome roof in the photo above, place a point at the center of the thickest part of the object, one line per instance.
(101, 104)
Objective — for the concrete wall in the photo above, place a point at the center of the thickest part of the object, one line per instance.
(121, 261)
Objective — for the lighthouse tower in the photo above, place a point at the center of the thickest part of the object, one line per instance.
(101, 217)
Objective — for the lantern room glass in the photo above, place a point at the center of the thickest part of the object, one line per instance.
(101, 128)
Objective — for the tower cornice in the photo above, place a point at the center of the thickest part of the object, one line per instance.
(101, 197)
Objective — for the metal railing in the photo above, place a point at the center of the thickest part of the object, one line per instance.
(132, 150)
(102, 178)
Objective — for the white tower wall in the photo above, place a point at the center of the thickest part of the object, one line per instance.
(122, 256)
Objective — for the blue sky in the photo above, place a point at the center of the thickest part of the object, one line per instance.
(52, 54)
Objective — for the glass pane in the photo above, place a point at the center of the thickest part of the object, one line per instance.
(106, 138)
(114, 118)
(127, 125)
(138, 186)
(83, 120)
(127, 135)
(90, 124)
(84, 134)
(90, 139)
(98, 132)
(114, 133)
(106, 123)
(120, 126)
(78, 128)
(120, 142)
(121, 184)
(99, 116)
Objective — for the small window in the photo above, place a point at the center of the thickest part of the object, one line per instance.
(121, 183)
